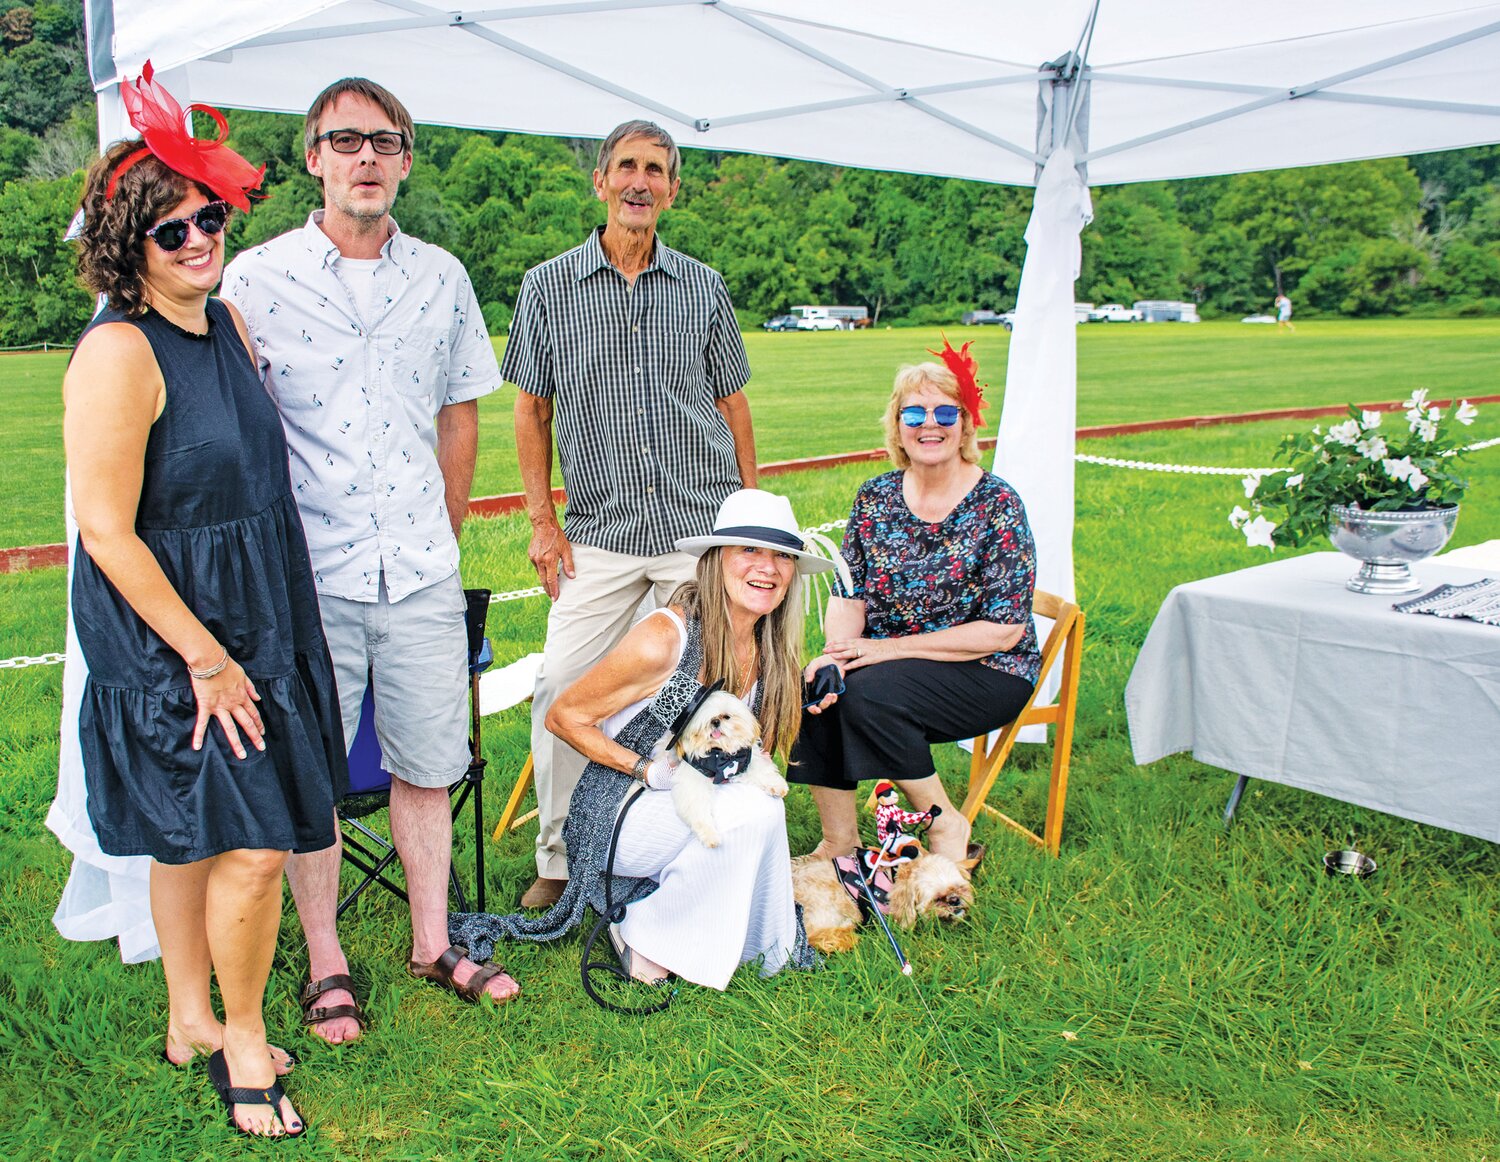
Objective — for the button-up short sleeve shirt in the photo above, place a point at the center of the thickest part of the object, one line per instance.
(633, 373)
(359, 398)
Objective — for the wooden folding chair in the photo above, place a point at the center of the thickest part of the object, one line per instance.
(510, 818)
(1065, 640)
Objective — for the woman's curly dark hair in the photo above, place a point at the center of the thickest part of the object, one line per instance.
(112, 243)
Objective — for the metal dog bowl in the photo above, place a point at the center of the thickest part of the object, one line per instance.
(1348, 863)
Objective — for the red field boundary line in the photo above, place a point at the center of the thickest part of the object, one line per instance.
(51, 556)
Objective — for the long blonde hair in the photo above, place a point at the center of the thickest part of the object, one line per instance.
(778, 641)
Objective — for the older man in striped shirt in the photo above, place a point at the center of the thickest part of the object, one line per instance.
(631, 350)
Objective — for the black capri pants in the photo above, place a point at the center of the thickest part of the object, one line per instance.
(889, 715)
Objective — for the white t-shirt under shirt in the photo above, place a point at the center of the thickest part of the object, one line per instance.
(358, 274)
(359, 397)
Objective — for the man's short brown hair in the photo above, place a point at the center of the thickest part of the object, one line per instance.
(358, 87)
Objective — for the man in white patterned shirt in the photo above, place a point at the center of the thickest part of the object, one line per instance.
(373, 347)
(633, 350)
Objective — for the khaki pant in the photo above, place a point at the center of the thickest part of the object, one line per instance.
(592, 613)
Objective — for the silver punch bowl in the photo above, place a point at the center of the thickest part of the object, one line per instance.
(1388, 543)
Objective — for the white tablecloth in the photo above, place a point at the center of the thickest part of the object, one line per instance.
(1280, 673)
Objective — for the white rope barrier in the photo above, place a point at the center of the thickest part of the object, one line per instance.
(817, 532)
(23, 661)
(1188, 469)
(517, 595)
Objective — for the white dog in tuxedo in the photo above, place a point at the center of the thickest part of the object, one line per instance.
(720, 745)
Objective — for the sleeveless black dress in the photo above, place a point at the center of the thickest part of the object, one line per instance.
(217, 512)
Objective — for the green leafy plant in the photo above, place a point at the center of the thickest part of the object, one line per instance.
(1363, 462)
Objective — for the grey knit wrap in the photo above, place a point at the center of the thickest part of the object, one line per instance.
(590, 826)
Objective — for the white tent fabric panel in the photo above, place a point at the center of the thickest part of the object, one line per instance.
(947, 91)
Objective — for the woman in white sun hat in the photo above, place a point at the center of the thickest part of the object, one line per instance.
(694, 911)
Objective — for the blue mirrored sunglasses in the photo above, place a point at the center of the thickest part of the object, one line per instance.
(946, 414)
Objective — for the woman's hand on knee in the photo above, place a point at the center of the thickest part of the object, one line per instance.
(856, 653)
(230, 697)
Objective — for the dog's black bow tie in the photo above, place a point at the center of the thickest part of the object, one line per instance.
(721, 766)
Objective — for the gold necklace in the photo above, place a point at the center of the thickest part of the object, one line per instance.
(745, 670)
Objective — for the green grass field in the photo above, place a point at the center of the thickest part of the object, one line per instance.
(816, 394)
(1163, 991)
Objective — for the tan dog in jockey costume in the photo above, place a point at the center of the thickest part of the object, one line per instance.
(908, 882)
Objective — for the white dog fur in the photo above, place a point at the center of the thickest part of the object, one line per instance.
(723, 723)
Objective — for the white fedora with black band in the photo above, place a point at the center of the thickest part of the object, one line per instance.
(762, 519)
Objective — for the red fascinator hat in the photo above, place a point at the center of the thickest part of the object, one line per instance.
(162, 123)
(970, 391)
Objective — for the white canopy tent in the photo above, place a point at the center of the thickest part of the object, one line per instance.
(1133, 91)
(1137, 91)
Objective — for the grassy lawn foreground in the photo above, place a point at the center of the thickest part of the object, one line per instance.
(1162, 991)
(815, 394)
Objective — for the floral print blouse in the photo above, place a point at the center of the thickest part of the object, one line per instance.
(978, 564)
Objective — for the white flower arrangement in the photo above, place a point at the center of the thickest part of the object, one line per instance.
(1352, 464)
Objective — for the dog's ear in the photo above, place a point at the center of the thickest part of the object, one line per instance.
(904, 906)
(967, 866)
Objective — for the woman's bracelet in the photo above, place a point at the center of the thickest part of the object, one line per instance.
(212, 671)
(641, 765)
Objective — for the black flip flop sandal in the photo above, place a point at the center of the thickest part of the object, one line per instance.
(234, 1095)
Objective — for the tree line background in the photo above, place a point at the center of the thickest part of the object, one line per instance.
(1395, 236)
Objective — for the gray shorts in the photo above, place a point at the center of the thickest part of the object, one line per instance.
(416, 652)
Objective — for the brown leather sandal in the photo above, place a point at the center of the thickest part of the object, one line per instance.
(313, 1014)
(440, 973)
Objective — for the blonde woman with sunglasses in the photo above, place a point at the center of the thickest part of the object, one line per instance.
(935, 642)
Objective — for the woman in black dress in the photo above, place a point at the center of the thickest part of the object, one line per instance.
(209, 726)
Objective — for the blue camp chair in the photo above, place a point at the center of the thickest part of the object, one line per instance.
(371, 853)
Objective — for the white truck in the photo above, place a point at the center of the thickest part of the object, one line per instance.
(831, 318)
(1114, 313)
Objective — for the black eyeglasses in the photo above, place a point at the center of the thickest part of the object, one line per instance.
(946, 414)
(173, 233)
(386, 141)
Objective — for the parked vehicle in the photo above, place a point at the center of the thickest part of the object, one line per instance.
(983, 319)
(1114, 313)
(1167, 311)
(781, 323)
(1259, 319)
(1083, 312)
(831, 318)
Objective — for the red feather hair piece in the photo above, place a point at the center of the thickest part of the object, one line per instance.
(162, 123)
(965, 370)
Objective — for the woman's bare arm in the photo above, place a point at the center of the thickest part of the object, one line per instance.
(635, 669)
(957, 643)
(113, 392)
